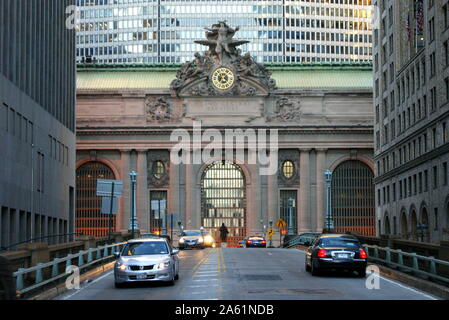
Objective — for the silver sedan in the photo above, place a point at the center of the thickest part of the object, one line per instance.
(146, 260)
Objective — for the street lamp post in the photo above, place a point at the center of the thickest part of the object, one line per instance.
(290, 205)
(270, 245)
(329, 219)
(133, 222)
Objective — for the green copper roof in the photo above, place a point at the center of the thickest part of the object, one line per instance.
(304, 76)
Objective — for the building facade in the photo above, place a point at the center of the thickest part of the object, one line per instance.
(411, 92)
(37, 121)
(315, 118)
(150, 31)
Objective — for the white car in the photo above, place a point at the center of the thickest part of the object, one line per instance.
(146, 260)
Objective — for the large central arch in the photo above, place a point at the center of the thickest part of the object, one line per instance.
(353, 198)
(223, 199)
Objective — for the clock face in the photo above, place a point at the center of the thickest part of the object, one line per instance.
(223, 78)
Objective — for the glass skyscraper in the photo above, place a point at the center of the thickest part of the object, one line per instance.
(162, 31)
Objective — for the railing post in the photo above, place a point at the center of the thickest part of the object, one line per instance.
(376, 252)
(433, 267)
(68, 263)
(415, 261)
(105, 253)
(39, 276)
(19, 279)
(54, 268)
(90, 257)
(387, 255)
(400, 257)
(98, 253)
(80, 258)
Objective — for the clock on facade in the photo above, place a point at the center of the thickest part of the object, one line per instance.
(223, 78)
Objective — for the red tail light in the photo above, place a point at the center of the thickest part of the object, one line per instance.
(322, 253)
(363, 254)
(249, 241)
(264, 242)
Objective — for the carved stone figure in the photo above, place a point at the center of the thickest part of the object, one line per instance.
(158, 110)
(221, 45)
(286, 111)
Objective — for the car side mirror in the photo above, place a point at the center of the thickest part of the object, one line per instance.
(175, 251)
(117, 255)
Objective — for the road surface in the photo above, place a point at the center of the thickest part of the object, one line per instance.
(246, 274)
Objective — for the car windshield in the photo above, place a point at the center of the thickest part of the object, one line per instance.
(145, 248)
(340, 242)
(191, 233)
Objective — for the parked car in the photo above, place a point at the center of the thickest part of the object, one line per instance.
(209, 240)
(241, 244)
(256, 242)
(191, 239)
(336, 252)
(146, 260)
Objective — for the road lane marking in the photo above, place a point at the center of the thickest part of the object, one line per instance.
(87, 286)
(205, 286)
(411, 289)
(270, 254)
(198, 280)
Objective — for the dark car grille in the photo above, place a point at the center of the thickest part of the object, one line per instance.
(139, 268)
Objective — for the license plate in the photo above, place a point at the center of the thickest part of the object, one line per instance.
(343, 256)
(142, 276)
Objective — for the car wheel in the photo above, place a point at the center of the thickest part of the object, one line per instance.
(119, 285)
(172, 281)
(307, 267)
(315, 271)
(361, 273)
(177, 277)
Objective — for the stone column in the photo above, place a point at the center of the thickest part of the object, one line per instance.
(142, 201)
(272, 193)
(123, 223)
(173, 201)
(320, 189)
(189, 195)
(304, 192)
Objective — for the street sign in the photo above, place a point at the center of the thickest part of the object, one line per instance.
(271, 232)
(106, 205)
(281, 224)
(104, 188)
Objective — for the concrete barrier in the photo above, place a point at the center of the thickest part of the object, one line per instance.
(7, 285)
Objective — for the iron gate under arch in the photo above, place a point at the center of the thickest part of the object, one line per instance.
(88, 218)
(223, 200)
(352, 199)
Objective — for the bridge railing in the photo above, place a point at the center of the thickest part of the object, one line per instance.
(421, 266)
(43, 274)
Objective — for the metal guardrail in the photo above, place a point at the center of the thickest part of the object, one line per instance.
(85, 259)
(419, 265)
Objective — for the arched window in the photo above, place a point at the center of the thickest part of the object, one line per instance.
(404, 226)
(223, 199)
(353, 198)
(387, 225)
(413, 226)
(88, 218)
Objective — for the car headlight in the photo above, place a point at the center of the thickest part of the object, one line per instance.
(121, 266)
(163, 265)
(181, 240)
(200, 240)
(209, 239)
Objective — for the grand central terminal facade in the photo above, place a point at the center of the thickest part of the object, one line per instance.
(313, 119)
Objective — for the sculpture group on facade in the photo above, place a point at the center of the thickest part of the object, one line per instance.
(222, 51)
